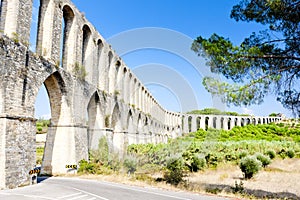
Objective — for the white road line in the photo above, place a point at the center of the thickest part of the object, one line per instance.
(78, 197)
(33, 196)
(69, 195)
(92, 198)
(90, 193)
(139, 190)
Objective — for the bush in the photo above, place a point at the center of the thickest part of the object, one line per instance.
(271, 154)
(243, 154)
(290, 153)
(130, 163)
(197, 163)
(250, 166)
(265, 160)
(174, 174)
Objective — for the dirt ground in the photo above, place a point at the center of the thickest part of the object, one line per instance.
(280, 180)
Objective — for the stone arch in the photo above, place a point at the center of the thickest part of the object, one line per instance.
(86, 35)
(116, 119)
(68, 38)
(99, 52)
(206, 122)
(111, 73)
(95, 121)
(190, 123)
(198, 121)
(214, 122)
(56, 90)
(229, 123)
(118, 79)
(254, 121)
(243, 122)
(235, 121)
(60, 136)
(222, 122)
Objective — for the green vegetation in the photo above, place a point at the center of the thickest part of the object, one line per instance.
(39, 155)
(266, 61)
(214, 111)
(80, 71)
(42, 126)
(250, 165)
(250, 147)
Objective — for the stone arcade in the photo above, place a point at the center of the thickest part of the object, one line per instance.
(118, 105)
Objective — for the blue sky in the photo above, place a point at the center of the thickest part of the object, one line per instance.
(191, 18)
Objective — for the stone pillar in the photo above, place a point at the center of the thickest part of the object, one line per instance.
(218, 122)
(202, 122)
(16, 16)
(194, 123)
(185, 124)
(225, 123)
(17, 150)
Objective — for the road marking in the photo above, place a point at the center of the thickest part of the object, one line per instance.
(139, 190)
(90, 193)
(69, 195)
(33, 196)
(78, 197)
(92, 198)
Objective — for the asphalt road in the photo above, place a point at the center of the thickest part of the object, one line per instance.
(80, 189)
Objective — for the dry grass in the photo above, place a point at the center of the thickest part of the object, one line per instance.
(280, 180)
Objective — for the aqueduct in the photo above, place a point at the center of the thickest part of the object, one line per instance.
(82, 74)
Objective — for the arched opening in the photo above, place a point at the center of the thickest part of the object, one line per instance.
(264, 120)
(95, 121)
(86, 34)
(254, 121)
(130, 129)
(66, 39)
(215, 122)
(1, 3)
(235, 122)
(229, 123)
(116, 119)
(190, 123)
(43, 116)
(111, 78)
(206, 122)
(34, 25)
(53, 160)
(248, 121)
(139, 128)
(118, 134)
(242, 122)
(198, 121)
(99, 51)
(222, 122)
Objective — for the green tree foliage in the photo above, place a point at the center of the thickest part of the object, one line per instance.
(267, 61)
(250, 166)
(212, 111)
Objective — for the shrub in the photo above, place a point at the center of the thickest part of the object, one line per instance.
(130, 163)
(243, 154)
(174, 174)
(271, 154)
(197, 163)
(290, 153)
(265, 160)
(250, 166)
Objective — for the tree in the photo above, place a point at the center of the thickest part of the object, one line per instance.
(265, 62)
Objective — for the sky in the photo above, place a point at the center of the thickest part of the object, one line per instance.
(154, 37)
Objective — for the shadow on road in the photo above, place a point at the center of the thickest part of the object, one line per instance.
(262, 194)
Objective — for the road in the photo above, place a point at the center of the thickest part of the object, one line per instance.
(56, 188)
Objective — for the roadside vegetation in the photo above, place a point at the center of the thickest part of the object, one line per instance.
(42, 126)
(251, 148)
